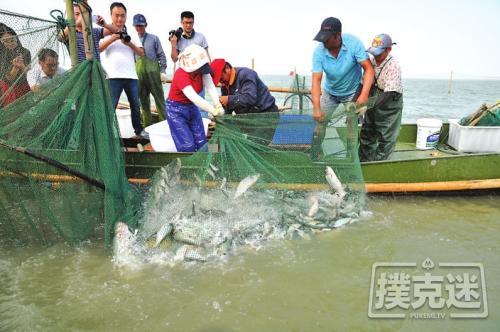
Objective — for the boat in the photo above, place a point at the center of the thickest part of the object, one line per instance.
(409, 170)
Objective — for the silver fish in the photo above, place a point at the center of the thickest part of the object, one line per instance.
(245, 184)
(211, 173)
(341, 222)
(313, 205)
(165, 230)
(215, 169)
(334, 181)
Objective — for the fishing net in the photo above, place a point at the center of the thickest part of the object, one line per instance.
(265, 177)
(484, 116)
(61, 167)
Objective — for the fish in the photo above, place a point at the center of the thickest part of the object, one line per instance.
(190, 253)
(334, 181)
(198, 180)
(211, 173)
(245, 184)
(215, 169)
(123, 246)
(313, 205)
(223, 184)
(341, 222)
(165, 230)
(188, 236)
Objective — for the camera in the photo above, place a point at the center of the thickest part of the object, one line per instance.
(124, 35)
(177, 33)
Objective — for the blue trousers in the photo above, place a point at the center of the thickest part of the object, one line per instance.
(131, 88)
(186, 126)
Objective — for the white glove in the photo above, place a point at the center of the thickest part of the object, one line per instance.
(218, 110)
(163, 78)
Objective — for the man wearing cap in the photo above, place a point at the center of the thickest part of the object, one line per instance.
(242, 89)
(380, 129)
(182, 113)
(118, 59)
(343, 59)
(150, 70)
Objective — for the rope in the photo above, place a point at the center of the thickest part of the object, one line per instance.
(61, 22)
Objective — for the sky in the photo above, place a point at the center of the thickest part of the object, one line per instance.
(433, 37)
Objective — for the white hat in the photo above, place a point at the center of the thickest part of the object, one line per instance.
(193, 58)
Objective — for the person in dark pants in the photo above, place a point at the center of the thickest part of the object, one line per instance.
(242, 90)
(117, 53)
(382, 121)
(151, 71)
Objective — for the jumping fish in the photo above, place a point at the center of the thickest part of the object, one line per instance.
(245, 184)
(211, 173)
(165, 230)
(334, 182)
(313, 205)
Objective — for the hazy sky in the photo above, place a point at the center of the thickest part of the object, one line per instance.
(434, 37)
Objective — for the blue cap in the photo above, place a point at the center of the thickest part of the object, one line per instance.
(139, 19)
(380, 43)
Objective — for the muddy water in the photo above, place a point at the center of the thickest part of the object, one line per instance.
(292, 285)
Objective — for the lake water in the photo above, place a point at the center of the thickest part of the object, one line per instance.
(322, 284)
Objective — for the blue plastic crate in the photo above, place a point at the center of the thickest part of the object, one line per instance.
(294, 129)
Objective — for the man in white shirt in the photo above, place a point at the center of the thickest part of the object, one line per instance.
(117, 58)
(45, 70)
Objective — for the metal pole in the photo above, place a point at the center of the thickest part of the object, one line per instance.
(72, 33)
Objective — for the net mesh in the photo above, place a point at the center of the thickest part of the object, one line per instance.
(264, 177)
(62, 170)
(261, 176)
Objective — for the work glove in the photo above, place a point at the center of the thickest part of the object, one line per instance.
(360, 111)
(218, 110)
(163, 78)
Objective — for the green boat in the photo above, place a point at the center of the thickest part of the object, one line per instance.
(408, 171)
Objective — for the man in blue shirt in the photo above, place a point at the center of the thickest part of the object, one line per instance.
(150, 71)
(343, 59)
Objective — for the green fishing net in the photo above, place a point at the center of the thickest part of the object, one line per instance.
(48, 139)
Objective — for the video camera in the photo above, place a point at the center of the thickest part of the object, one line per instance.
(177, 33)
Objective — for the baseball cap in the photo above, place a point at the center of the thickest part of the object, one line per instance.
(139, 19)
(380, 43)
(329, 26)
(217, 66)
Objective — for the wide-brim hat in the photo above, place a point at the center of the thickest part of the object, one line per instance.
(193, 58)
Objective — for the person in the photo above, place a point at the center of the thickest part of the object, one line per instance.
(150, 70)
(343, 59)
(99, 33)
(188, 37)
(45, 70)
(182, 113)
(380, 128)
(14, 63)
(242, 90)
(118, 59)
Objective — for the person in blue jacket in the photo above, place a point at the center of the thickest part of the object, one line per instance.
(242, 91)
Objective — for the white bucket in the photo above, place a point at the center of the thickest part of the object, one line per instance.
(125, 123)
(161, 138)
(428, 133)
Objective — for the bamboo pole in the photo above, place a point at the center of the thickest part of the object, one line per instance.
(88, 36)
(369, 187)
(72, 33)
